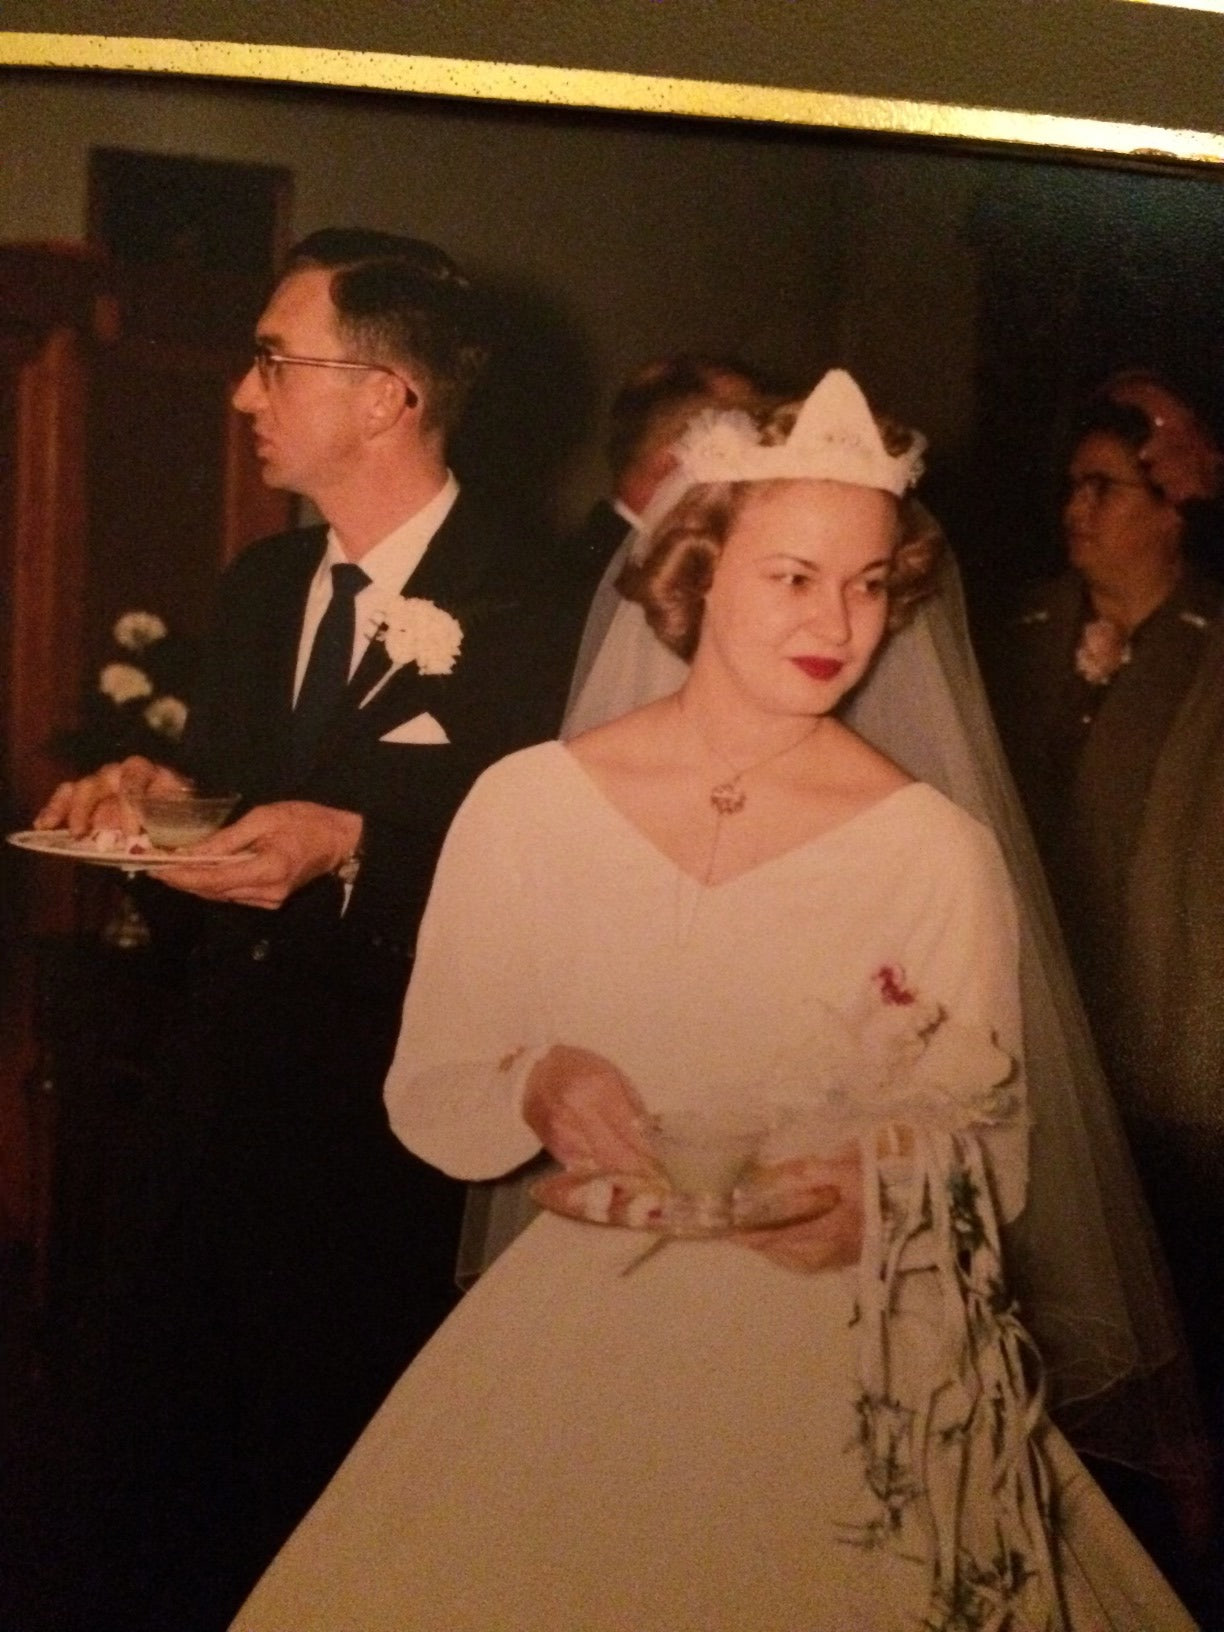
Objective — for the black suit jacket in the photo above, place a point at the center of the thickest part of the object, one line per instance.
(584, 553)
(492, 702)
(580, 562)
(292, 1254)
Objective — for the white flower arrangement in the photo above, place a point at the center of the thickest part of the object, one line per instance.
(417, 631)
(136, 630)
(902, 1059)
(124, 682)
(138, 702)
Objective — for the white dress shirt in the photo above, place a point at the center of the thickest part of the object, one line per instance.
(388, 565)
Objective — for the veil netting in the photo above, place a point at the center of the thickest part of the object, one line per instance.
(1084, 1261)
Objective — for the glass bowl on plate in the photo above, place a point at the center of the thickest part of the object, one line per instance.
(173, 820)
(705, 1154)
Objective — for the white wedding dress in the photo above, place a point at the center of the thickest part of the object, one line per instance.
(705, 1441)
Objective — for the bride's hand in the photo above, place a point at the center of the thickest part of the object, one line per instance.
(831, 1240)
(587, 1113)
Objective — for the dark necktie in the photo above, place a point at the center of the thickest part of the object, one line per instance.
(327, 670)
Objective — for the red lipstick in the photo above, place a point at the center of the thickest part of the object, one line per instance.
(819, 668)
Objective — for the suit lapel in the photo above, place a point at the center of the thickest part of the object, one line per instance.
(374, 664)
(280, 637)
(454, 568)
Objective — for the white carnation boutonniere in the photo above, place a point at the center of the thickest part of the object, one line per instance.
(1103, 649)
(417, 631)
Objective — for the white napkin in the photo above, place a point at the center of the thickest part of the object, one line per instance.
(420, 729)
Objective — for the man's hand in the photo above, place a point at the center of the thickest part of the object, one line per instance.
(108, 797)
(276, 849)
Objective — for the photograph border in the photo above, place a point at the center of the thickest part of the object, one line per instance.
(612, 91)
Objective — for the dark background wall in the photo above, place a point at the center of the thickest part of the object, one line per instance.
(583, 208)
(976, 288)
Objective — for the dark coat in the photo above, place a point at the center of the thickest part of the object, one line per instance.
(1084, 754)
(584, 604)
(292, 1254)
(1125, 783)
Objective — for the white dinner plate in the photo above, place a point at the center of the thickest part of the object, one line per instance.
(58, 841)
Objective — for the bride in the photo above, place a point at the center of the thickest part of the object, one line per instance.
(812, 1406)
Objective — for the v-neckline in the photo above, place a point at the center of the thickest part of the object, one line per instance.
(644, 840)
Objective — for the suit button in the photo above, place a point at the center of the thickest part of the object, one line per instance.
(260, 950)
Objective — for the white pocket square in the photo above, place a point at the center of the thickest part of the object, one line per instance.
(421, 729)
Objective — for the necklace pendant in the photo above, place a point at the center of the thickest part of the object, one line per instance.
(728, 798)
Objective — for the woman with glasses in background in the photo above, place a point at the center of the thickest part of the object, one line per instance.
(1112, 702)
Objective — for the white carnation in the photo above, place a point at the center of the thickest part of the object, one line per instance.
(136, 630)
(167, 716)
(417, 631)
(124, 682)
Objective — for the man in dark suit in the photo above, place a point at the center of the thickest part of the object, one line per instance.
(648, 413)
(360, 676)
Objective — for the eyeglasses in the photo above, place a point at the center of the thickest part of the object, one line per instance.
(1098, 486)
(267, 362)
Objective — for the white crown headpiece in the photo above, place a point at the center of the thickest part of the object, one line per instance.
(834, 439)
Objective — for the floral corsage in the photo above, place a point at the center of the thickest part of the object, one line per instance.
(1103, 649)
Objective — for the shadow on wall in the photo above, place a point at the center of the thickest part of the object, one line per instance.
(534, 409)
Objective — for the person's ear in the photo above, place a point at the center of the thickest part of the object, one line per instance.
(392, 396)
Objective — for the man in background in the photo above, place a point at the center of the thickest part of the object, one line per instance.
(649, 413)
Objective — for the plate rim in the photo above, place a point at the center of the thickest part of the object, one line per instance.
(693, 1232)
(21, 837)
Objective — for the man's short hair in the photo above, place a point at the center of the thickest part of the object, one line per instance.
(403, 300)
(657, 397)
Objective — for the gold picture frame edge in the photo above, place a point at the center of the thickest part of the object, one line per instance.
(604, 90)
